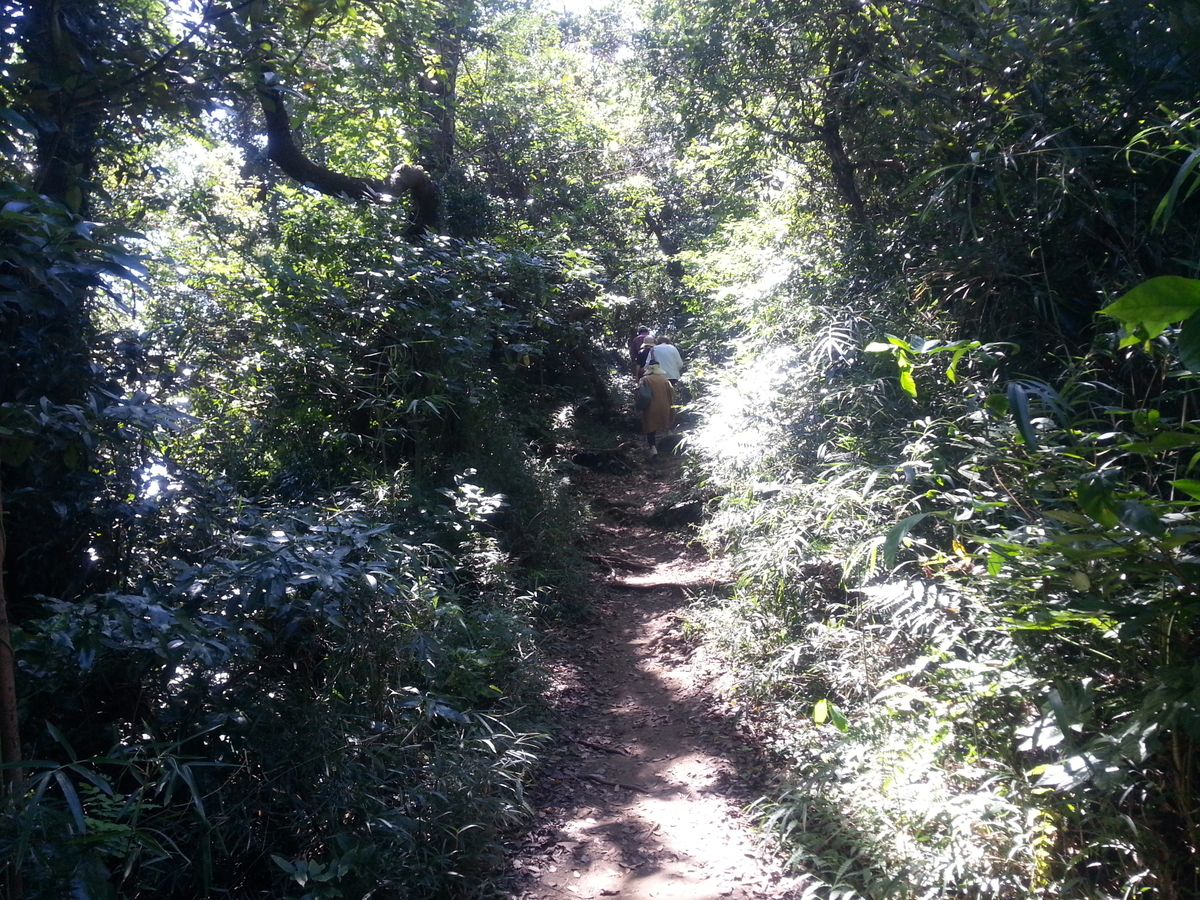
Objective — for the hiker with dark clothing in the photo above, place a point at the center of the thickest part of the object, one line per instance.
(642, 338)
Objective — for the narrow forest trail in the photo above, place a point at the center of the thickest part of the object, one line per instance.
(643, 795)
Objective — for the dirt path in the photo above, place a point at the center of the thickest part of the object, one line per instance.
(643, 797)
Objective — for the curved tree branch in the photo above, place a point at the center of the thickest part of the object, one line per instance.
(283, 150)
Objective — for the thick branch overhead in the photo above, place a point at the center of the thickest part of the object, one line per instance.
(283, 150)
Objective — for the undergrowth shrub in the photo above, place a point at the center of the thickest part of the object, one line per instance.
(311, 704)
(963, 605)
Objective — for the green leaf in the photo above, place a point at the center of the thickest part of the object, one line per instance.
(821, 712)
(1096, 499)
(72, 798)
(997, 404)
(16, 452)
(298, 869)
(1167, 205)
(1071, 518)
(62, 739)
(1164, 441)
(1137, 516)
(995, 563)
(897, 533)
(907, 382)
(840, 722)
(826, 711)
(1189, 486)
(1188, 345)
(1153, 305)
(1018, 403)
(952, 369)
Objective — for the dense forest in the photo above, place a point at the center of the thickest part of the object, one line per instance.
(302, 306)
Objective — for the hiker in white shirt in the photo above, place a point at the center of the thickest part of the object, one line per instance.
(665, 354)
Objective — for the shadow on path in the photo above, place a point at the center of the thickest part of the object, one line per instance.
(643, 796)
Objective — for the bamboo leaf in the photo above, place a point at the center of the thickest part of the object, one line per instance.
(72, 799)
(952, 369)
(898, 532)
(1188, 345)
(1164, 441)
(1167, 205)
(1189, 486)
(1018, 404)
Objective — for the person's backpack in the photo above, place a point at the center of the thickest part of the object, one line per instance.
(642, 396)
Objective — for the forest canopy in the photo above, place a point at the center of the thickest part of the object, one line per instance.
(304, 305)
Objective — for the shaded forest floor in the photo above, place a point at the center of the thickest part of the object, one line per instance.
(643, 795)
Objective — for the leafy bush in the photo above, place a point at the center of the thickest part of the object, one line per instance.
(963, 603)
(311, 687)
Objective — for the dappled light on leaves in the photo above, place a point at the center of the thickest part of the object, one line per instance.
(316, 317)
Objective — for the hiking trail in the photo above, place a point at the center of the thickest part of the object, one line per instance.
(642, 796)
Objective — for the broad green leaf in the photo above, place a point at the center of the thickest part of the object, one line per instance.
(1137, 516)
(907, 382)
(840, 722)
(16, 452)
(995, 563)
(825, 711)
(1097, 500)
(898, 532)
(878, 347)
(1189, 486)
(1153, 305)
(997, 404)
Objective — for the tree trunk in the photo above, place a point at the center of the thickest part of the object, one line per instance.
(10, 733)
(55, 42)
(844, 177)
(835, 102)
(10, 730)
(438, 93)
(45, 321)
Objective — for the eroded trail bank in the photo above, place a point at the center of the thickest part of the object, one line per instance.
(643, 796)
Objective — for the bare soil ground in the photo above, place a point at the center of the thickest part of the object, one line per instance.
(644, 795)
